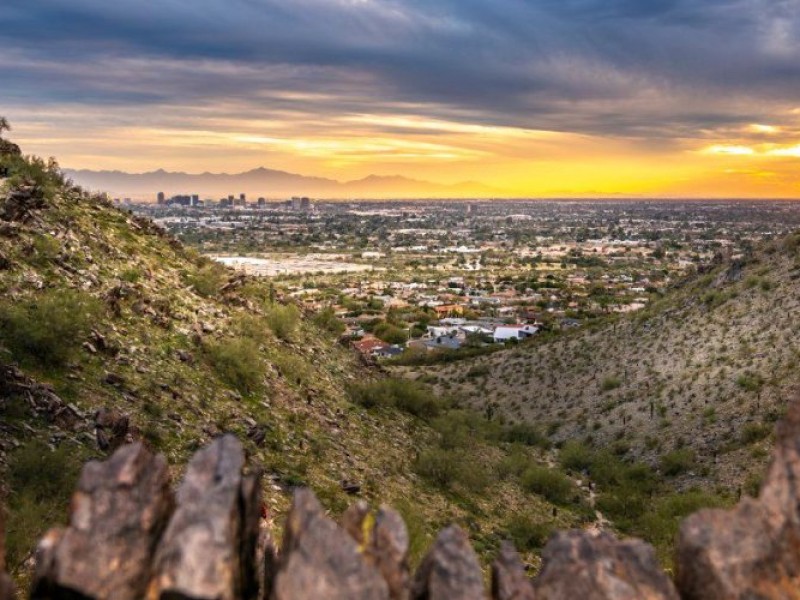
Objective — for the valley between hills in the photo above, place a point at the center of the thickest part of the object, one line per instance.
(111, 330)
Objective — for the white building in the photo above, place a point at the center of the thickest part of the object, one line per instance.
(504, 333)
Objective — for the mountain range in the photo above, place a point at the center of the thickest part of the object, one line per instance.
(272, 184)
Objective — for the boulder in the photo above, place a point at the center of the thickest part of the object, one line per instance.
(383, 539)
(580, 564)
(117, 516)
(509, 581)
(208, 549)
(753, 550)
(320, 560)
(449, 570)
(111, 429)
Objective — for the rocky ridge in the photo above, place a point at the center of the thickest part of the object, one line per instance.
(130, 537)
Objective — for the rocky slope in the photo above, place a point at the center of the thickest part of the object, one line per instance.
(129, 537)
(112, 332)
(692, 385)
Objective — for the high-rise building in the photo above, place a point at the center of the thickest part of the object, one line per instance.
(161, 198)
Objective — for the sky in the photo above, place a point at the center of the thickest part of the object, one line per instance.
(539, 98)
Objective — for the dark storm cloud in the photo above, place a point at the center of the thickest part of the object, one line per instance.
(651, 68)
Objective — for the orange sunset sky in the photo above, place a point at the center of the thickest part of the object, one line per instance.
(537, 99)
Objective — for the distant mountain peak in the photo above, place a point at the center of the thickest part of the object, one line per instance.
(272, 183)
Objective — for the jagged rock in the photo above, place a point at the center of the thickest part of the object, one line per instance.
(389, 551)
(6, 585)
(320, 560)
(111, 428)
(208, 549)
(117, 515)
(21, 201)
(579, 564)
(752, 551)
(449, 570)
(509, 581)
(384, 541)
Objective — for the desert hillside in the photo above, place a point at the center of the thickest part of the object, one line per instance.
(692, 385)
(111, 331)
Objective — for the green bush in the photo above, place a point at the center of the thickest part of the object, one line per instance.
(755, 432)
(677, 462)
(528, 533)
(49, 328)
(391, 334)
(525, 433)
(282, 320)
(237, 361)
(610, 383)
(207, 280)
(751, 382)
(575, 456)
(327, 320)
(513, 465)
(408, 396)
(452, 469)
(549, 483)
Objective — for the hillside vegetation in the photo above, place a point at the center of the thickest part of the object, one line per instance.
(664, 409)
(128, 335)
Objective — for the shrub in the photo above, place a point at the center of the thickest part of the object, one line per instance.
(450, 469)
(391, 334)
(282, 320)
(237, 361)
(525, 433)
(575, 456)
(207, 280)
(327, 320)
(407, 396)
(751, 382)
(552, 485)
(610, 383)
(513, 465)
(528, 533)
(677, 462)
(755, 432)
(49, 328)
(293, 368)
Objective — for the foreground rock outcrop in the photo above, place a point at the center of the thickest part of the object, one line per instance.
(128, 537)
(752, 551)
(117, 517)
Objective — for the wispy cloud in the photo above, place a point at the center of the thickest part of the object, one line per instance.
(343, 82)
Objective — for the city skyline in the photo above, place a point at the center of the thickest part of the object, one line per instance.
(538, 99)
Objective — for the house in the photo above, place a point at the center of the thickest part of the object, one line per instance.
(388, 351)
(435, 331)
(505, 333)
(443, 343)
(370, 346)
